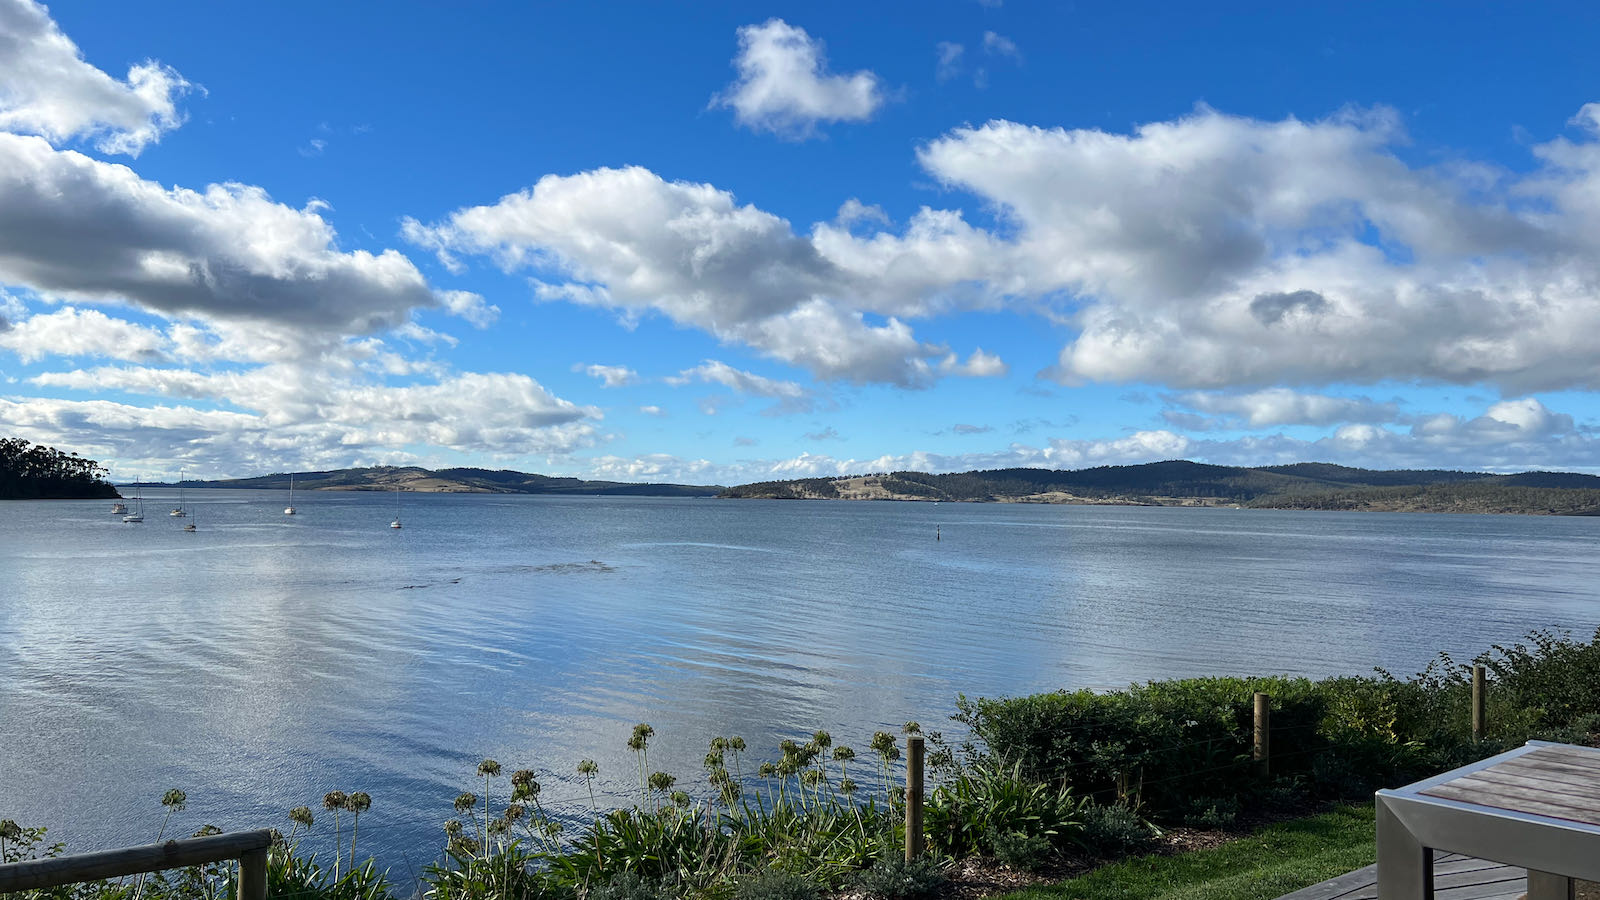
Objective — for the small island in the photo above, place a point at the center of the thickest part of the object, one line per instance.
(1321, 486)
(35, 472)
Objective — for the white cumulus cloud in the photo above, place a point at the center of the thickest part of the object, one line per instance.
(48, 89)
(784, 85)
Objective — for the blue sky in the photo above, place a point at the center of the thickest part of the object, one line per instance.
(724, 243)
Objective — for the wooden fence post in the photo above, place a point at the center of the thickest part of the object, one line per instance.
(1262, 750)
(1480, 720)
(253, 875)
(914, 842)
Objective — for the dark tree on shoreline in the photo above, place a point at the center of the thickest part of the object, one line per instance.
(35, 472)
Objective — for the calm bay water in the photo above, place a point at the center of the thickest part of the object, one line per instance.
(265, 660)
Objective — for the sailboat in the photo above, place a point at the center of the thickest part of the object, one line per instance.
(289, 510)
(177, 511)
(189, 526)
(396, 522)
(138, 498)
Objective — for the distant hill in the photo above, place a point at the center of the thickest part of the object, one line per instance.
(454, 481)
(1185, 483)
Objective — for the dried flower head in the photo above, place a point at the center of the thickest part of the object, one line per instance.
(522, 776)
(822, 739)
(846, 786)
(525, 791)
(767, 770)
(843, 753)
(452, 827)
(462, 845)
(515, 811)
(661, 781)
(9, 830)
(488, 767)
(175, 800)
(358, 802)
(680, 799)
(713, 760)
(588, 767)
(301, 815)
(911, 728)
(811, 778)
(736, 743)
(334, 800)
(465, 801)
(499, 826)
(719, 744)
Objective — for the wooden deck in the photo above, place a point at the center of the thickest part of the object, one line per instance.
(1455, 877)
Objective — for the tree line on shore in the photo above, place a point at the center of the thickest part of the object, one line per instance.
(36, 472)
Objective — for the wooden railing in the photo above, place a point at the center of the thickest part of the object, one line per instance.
(248, 847)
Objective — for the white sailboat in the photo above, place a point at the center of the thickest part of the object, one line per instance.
(289, 510)
(396, 522)
(138, 499)
(178, 511)
(189, 526)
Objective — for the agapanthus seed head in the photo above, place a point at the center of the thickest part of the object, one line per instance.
(843, 753)
(499, 826)
(523, 776)
(207, 831)
(719, 744)
(588, 767)
(680, 799)
(301, 815)
(661, 781)
(452, 827)
(767, 770)
(636, 743)
(462, 845)
(811, 778)
(737, 743)
(713, 760)
(9, 830)
(515, 811)
(846, 786)
(358, 802)
(911, 728)
(822, 739)
(551, 828)
(174, 799)
(488, 767)
(334, 800)
(527, 790)
(789, 748)
(465, 801)
(643, 731)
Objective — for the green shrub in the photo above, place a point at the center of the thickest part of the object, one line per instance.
(774, 884)
(1112, 831)
(1028, 852)
(893, 878)
(989, 801)
(630, 886)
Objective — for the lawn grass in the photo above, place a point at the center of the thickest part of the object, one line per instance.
(1272, 862)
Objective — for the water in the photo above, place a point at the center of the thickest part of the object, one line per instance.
(265, 659)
